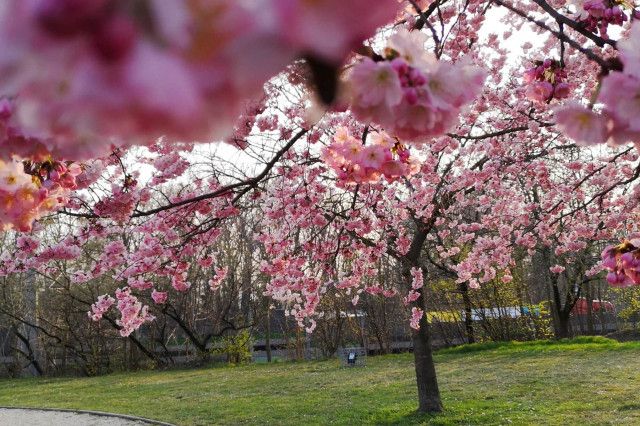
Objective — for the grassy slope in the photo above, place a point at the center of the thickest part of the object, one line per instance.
(590, 381)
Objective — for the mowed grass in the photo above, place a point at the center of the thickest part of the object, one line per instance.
(583, 381)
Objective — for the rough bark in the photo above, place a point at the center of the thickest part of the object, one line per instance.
(29, 343)
(590, 326)
(468, 314)
(428, 392)
(267, 336)
(426, 379)
(562, 328)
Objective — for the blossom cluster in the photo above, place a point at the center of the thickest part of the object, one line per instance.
(417, 282)
(619, 121)
(409, 92)
(29, 187)
(416, 316)
(132, 313)
(623, 263)
(121, 75)
(597, 15)
(356, 162)
(545, 81)
(150, 260)
(101, 306)
(159, 297)
(216, 281)
(117, 207)
(29, 190)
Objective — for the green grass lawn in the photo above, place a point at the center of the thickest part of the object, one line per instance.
(588, 381)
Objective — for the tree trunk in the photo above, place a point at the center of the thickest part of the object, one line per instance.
(468, 314)
(133, 340)
(428, 392)
(426, 379)
(562, 329)
(363, 335)
(27, 351)
(561, 314)
(31, 344)
(590, 328)
(299, 353)
(267, 336)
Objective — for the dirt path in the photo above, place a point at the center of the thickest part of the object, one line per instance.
(28, 417)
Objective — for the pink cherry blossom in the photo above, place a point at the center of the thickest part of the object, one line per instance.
(546, 81)
(331, 28)
(432, 92)
(101, 306)
(376, 83)
(620, 93)
(159, 297)
(630, 50)
(581, 124)
(623, 263)
(216, 281)
(132, 313)
(354, 162)
(417, 278)
(540, 91)
(416, 316)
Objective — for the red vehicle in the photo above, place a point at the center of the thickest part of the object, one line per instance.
(580, 308)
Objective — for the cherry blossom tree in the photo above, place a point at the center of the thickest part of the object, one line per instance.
(419, 134)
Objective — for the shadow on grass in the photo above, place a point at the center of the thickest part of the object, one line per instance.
(629, 407)
(597, 342)
(412, 418)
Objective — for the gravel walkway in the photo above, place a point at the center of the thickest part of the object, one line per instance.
(28, 417)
